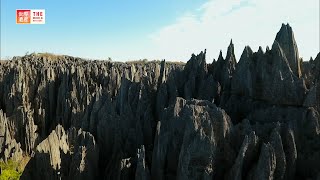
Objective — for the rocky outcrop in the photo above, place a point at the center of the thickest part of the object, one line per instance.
(246, 156)
(285, 38)
(263, 79)
(311, 71)
(9, 147)
(72, 154)
(253, 119)
(223, 72)
(142, 171)
(268, 77)
(189, 140)
(266, 163)
(311, 74)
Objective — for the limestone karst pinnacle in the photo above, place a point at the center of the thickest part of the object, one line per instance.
(285, 38)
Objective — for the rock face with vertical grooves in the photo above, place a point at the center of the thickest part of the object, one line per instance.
(257, 118)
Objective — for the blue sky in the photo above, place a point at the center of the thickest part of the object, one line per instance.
(167, 29)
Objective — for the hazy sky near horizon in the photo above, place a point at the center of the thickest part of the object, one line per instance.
(159, 29)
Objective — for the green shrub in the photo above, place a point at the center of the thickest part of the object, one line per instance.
(9, 174)
(12, 170)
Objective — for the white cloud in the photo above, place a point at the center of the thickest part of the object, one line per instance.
(247, 22)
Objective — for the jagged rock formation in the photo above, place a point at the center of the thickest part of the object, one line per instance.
(190, 140)
(286, 40)
(9, 148)
(72, 154)
(253, 119)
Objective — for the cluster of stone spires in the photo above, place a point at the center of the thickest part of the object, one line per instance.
(253, 119)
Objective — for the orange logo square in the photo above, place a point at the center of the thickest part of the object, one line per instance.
(23, 16)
